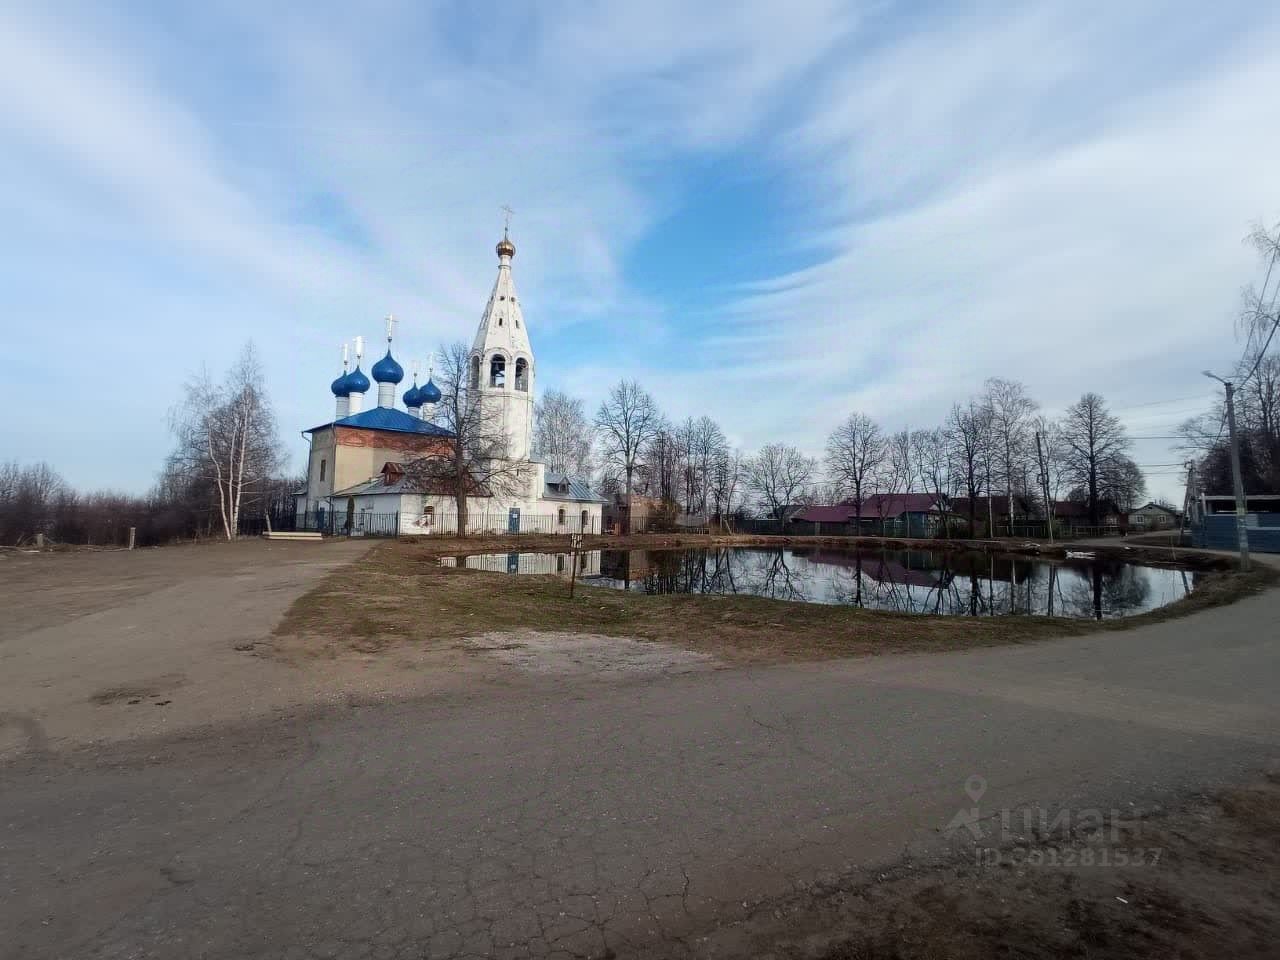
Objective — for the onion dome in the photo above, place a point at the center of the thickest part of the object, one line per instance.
(429, 393)
(357, 382)
(340, 387)
(413, 396)
(505, 247)
(387, 370)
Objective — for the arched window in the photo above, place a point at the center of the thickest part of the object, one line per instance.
(498, 371)
(522, 374)
(583, 527)
(560, 516)
(475, 372)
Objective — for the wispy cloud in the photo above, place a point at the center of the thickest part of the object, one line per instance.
(1048, 191)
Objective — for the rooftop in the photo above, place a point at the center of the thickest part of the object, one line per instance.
(386, 418)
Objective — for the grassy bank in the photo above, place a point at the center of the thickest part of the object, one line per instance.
(400, 592)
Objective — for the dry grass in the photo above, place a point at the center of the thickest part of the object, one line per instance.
(401, 593)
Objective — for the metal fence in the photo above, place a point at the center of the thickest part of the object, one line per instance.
(338, 523)
(332, 523)
(515, 523)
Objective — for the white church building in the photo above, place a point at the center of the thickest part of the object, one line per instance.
(357, 481)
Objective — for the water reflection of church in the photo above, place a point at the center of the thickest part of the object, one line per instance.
(532, 563)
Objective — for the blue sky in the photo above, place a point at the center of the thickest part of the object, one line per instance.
(770, 213)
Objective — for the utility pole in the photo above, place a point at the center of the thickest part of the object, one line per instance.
(1044, 485)
(1237, 481)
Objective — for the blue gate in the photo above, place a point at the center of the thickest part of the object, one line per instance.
(513, 520)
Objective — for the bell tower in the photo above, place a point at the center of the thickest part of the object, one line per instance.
(502, 368)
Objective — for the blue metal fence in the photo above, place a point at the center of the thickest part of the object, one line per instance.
(1217, 531)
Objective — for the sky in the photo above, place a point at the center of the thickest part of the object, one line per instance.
(773, 214)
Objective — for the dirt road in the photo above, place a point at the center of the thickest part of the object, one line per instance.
(109, 644)
(668, 811)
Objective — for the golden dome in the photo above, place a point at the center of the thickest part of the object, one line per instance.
(505, 247)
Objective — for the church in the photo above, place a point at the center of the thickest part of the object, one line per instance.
(360, 473)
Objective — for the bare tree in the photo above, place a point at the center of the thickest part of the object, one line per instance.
(967, 431)
(226, 437)
(29, 497)
(1122, 483)
(626, 422)
(476, 461)
(1094, 440)
(1010, 410)
(726, 482)
(702, 442)
(855, 451)
(901, 469)
(562, 435)
(780, 475)
(931, 456)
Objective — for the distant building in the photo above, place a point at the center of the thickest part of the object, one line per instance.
(1154, 516)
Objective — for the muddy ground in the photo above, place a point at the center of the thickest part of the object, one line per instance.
(1197, 882)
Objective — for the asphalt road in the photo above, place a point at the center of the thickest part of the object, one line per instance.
(569, 816)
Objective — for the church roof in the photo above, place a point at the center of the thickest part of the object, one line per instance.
(560, 486)
(386, 418)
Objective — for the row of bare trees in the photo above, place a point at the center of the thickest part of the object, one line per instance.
(997, 443)
(225, 467)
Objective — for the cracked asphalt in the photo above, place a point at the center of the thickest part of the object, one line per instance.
(526, 815)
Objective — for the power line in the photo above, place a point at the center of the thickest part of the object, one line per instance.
(1156, 403)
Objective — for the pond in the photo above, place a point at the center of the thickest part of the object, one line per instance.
(951, 583)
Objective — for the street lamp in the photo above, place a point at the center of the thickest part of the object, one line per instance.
(1237, 481)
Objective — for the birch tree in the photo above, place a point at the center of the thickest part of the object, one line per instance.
(562, 434)
(1010, 410)
(226, 438)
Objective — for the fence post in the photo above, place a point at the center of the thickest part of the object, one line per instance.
(397, 523)
(133, 536)
(39, 541)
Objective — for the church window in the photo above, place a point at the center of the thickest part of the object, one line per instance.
(498, 371)
(522, 374)
(560, 516)
(322, 466)
(583, 522)
(475, 372)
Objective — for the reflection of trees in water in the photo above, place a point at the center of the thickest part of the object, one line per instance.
(907, 581)
(767, 573)
(1107, 588)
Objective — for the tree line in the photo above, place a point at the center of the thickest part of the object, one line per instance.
(225, 465)
(997, 443)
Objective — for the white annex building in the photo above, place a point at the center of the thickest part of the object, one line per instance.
(356, 476)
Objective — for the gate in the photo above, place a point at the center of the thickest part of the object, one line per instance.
(513, 520)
